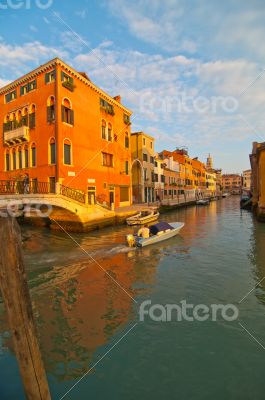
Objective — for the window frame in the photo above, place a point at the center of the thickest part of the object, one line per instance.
(105, 156)
(69, 145)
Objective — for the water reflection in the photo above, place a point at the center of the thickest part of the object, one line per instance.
(218, 258)
(257, 258)
(78, 307)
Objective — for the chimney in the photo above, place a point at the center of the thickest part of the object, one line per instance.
(117, 98)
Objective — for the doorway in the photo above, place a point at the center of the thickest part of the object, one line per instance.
(91, 192)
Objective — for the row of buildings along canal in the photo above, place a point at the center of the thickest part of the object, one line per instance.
(59, 128)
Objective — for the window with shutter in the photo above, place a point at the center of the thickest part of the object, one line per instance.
(127, 167)
(32, 120)
(14, 160)
(50, 113)
(67, 115)
(52, 152)
(50, 76)
(107, 160)
(19, 159)
(26, 157)
(67, 81)
(103, 129)
(33, 156)
(28, 87)
(7, 162)
(67, 154)
(10, 96)
(72, 117)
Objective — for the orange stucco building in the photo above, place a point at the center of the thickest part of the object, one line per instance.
(192, 172)
(62, 129)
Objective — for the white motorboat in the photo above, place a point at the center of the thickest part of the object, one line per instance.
(144, 217)
(224, 195)
(203, 202)
(158, 233)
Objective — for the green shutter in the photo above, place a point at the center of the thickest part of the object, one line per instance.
(62, 76)
(47, 77)
(72, 117)
(32, 120)
(48, 113)
(63, 114)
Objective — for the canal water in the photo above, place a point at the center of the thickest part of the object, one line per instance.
(86, 311)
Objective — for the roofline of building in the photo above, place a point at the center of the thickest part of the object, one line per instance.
(52, 63)
(142, 133)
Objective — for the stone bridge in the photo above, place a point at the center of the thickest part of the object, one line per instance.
(67, 207)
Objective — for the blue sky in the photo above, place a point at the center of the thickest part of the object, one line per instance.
(191, 71)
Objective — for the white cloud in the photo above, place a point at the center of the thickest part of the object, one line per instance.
(156, 22)
(33, 28)
(18, 57)
(82, 13)
(71, 41)
(3, 82)
(152, 86)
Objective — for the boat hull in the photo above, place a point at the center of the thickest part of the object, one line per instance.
(142, 220)
(177, 226)
(203, 202)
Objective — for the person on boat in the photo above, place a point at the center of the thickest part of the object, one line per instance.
(144, 232)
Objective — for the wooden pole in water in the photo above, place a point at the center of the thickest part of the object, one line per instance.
(15, 292)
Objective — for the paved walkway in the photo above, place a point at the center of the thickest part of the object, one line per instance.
(134, 208)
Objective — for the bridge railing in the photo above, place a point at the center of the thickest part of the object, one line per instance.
(12, 187)
(77, 195)
(19, 187)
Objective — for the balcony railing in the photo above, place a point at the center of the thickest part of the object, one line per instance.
(17, 135)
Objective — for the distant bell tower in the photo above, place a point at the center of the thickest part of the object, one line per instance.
(209, 163)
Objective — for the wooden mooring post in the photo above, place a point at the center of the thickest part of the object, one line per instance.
(15, 292)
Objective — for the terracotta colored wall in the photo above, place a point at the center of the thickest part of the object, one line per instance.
(85, 136)
(39, 135)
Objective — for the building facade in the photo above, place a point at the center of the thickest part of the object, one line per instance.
(190, 174)
(159, 178)
(61, 129)
(257, 161)
(246, 180)
(232, 183)
(143, 159)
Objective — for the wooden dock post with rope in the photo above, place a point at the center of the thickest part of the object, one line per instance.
(15, 293)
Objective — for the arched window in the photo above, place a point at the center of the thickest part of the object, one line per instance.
(13, 121)
(14, 159)
(20, 163)
(7, 160)
(7, 124)
(26, 157)
(24, 117)
(32, 116)
(127, 141)
(51, 109)
(67, 112)
(109, 132)
(67, 152)
(103, 129)
(19, 118)
(52, 151)
(33, 155)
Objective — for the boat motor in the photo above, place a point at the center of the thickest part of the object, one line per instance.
(131, 240)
